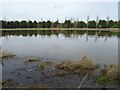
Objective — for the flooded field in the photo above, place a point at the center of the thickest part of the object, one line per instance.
(37, 54)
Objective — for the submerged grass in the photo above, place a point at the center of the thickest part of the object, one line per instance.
(77, 67)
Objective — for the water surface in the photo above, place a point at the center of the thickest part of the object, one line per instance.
(101, 47)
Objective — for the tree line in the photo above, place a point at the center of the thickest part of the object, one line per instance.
(57, 24)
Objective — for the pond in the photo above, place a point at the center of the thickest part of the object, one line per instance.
(102, 47)
(99, 46)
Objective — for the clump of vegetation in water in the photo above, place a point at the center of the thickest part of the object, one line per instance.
(77, 67)
(6, 82)
(110, 73)
(43, 65)
(6, 55)
(31, 60)
(103, 80)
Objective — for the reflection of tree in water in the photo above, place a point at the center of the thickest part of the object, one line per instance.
(96, 36)
(66, 33)
(7, 37)
(106, 37)
(86, 36)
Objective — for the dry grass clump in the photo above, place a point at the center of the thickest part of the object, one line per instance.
(78, 67)
(109, 74)
(111, 71)
(5, 82)
(6, 55)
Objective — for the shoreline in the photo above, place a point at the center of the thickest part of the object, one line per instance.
(85, 29)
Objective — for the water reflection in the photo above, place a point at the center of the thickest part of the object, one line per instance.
(72, 34)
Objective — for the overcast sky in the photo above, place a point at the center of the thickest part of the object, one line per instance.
(46, 9)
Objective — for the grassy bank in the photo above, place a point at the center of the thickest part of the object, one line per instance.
(91, 29)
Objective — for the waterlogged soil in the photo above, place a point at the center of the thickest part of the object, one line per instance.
(41, 73)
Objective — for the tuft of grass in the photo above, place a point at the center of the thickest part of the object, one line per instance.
(109, 73)
(103, 80)
(5, 82)
(78, 67)
(43, 65)
(6, 55)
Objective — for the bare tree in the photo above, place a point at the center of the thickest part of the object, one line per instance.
(58, 23)
(97, 21)
(108, 18)
(87, 20)
(27, 23)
